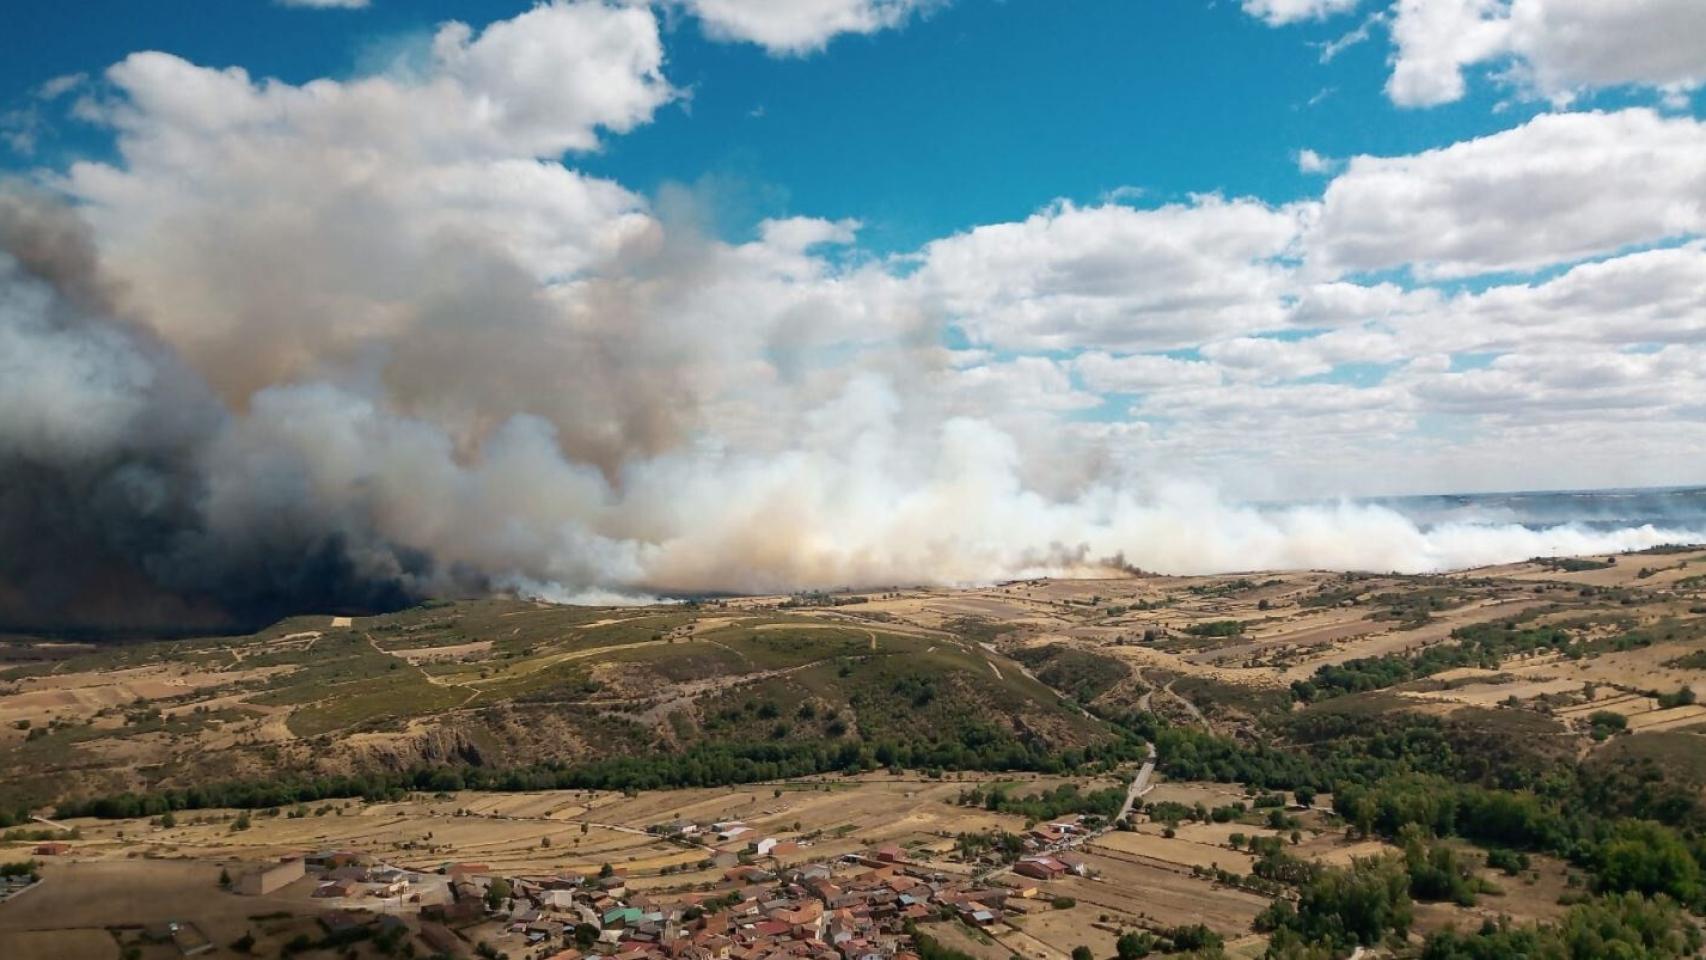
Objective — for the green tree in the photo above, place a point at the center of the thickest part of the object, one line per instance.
(1134, 946)
(1624, 926)
(1347, 908)
(1649, 858)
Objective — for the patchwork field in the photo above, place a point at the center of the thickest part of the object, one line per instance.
(946, 724)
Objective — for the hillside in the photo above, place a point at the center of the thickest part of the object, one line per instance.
(1586, 658)
(499, 685)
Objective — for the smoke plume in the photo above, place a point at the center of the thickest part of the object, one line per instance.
(341, 346)
(133, 496)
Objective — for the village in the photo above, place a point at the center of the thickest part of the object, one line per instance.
(858, 906)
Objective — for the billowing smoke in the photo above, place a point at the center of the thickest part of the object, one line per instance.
(132, 496)
(339, 346)
(109, 469)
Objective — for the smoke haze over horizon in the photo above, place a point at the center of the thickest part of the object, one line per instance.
(345, 344)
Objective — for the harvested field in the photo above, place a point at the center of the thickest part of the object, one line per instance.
(76, 898)
(80, 695)
(1168, 897)
(1335, 851)
(1177, 851)
(454, 651)
(1314, 629)
(510, 830)
(1626, 704)
(1674, 718)
(1050, 934)
(1489, 694)
(957, 936)
(1191, 793)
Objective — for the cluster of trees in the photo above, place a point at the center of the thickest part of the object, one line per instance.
(1635, 828)
(1134, 945)
(1689, 661)
(1625, 926)
(1344, 909)
(1677, 698)
(1001, 844)
(1510, 862)
(1187, 753)
(1502, 818)
(1413, 608)
(1216, 628)
(1079, 674)
(1437, 872)
(1328, 749)
(1326, 596)
(1433, 871)
(1361, 748)
(1477, 645)
(40, 835)
(1605, 723)
(1338, 910)
(929, 948)
(1649, 858)
(1574, 564)
(1047, 804)
(1641, 788)
(1624, 854)
(248, 794)
(819, 598)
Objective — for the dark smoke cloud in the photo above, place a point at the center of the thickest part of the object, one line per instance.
(104, 443)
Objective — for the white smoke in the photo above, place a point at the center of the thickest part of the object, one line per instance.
(343, 344)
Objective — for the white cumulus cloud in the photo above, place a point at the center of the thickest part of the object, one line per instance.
(1116, 277)
(1558, 188)
(1279, 12)
(794, 27)
(1555, 50)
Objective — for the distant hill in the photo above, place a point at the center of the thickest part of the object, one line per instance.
(502, 685)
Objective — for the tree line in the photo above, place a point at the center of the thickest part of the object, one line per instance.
(701, 765)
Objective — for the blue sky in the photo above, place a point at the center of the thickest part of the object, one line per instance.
(980, 111)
